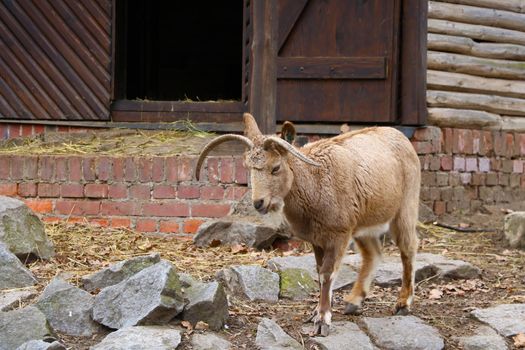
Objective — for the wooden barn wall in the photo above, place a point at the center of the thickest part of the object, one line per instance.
(55, 59)
(476, 64)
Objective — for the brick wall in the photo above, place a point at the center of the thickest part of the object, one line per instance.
(11, 130)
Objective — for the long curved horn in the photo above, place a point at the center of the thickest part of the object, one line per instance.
(289, 148)
(214, 143)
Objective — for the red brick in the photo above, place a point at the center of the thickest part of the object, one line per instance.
(462, 141)
(120, 222)
(478, 179)
(117, 191)
(448, 140)
(517, 166)
(63, 128)
(241, 173)
(476, 141)
(188, 192)
(72, 190)
(424, 161)
(5, 164)
(4, 131)
(169, 226)
(145, 169)
(487, 145)
(48, 190)
(185, 168)
(165, 209)
(99, 222)
(27, 130)
(46, 165)
(235, 193)
(118, 170)
(61, 173)
(146, 225)
(38, 129)
(96, 190)
(446, 163)
(40, 206)
(215, 192)
(509, 144)
(31, 167)
(17, 168)
(440, 207)
(27, 189)
(75, 168)
(14, 131)
(227, 169)
(499, 143)
(51, 219)
(192, 225)
(77, 207)
(164, 192)
(496, 164)
(172, 169)
(210, 210)
(104, 166)
(522, 144)
(435, 163)
(157, 171)
(130, 167)
(119, 208)
(139, 192)
(422, 147)
(212, 171)
(89, 168)
(422, 134)
(459, 163)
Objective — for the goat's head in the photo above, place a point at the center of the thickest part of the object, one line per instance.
(266, 157)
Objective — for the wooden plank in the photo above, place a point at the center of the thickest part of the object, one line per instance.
(289, 13)
(467, 46)
(98, 14)
(99, 33)
(488, 103)
(509, 5)
(476, 31)
(331, 68)
(516, 124)
(413, 63)
(13, 101)
(476, 15)
(168, 106)
(152, 116)
(462, 118)
(437, 80)
(477, 66)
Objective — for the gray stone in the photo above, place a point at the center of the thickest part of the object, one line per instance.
(403, 333)
(41, 345)
(448, 268)
(251, 231)
(484, 339)
(141, 338)
(187, 280)
(22, 231)
(68, 309)
(118, 272)
(209, 341)
(12, 299)
(206, 302)
(514, 228)
(342, 335)
(272, 337)
(296, 284)
(21, 325)
(426, 214)
(507, 319)
(152, 295)
(13, 274)
(251, 282)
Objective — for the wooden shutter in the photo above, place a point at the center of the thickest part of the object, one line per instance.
(55, 59)
(337, 60)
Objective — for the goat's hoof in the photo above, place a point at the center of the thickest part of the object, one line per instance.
(402, 310)
(352, 309)
(321, 328)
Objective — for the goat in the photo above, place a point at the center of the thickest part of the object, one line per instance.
(356, 185)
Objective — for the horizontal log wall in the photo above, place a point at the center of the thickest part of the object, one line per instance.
(476, 64)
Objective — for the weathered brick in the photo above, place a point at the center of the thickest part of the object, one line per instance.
(185, 168)
(465, 178)
(499, 143)
(448, 140)
(509, 144)
(459, 163)
(235, 193)
(192, 225)
(517, 166)
(212, 192)
(27, 130)
(27, 189)
(157, 169)
(164, 192)
(441, 178)
(73, 190)
(422, 147)
(462, 141)
(48, 190)
(104, 170)
(476, 141)
(188, 192)
(492, 179)
(17, 168)
(212, 170)
(146, 225)
(61, 171)
(96, 190)
(424, 161)
(478, 179)
(439, 207)
(446, 163)
(241, 174)
(120, 222)
(428, 178)
(513, 182)
(496, 164)
(119, 208)
(452, 206)
(166, 209)
(102, 222)
(118, 170)
(89, 168)
(507, 166)
(453, 178)
(484, 164)
(169, 226)
(5, 165)
(475, 205)
(435, 193)
(118, 191)
(424, 193)
(522, 144)
(66, 207)
(227, 170)
(75, 168)
(486, 194)
(40, 206)
(140, 192)
(31, 167)
(210, 210)
(471, 164)
(503, 179)
(46, 165)
(145, 169)
(446, 193)
(471, 192)
(172, 169)
(487, 145)
(130, 169)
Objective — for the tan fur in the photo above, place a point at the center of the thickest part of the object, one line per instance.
(366, 178)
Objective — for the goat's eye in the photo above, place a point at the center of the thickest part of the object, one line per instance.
(275, 169)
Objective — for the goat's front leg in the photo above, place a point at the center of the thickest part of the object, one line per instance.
(319, 254)
(331, 260)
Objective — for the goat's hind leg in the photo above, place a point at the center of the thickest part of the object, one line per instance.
(370, 249)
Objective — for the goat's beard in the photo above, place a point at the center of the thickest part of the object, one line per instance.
(276, 206)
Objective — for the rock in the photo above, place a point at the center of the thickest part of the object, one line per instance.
(514, 228)
(340, 333)
(41, 345)
(118, 272)
(209, 341)
(403, 333)
(251, 282)
(448, 268)
(22, 325)
(426, 214)
(152, 295)
(13, 274)
(13, 299)
(507, 319)
(296, 284)
(207, 303)
(141, 338)
(484, 339)
(22, 231)
(68, 309)
(250, 231)
(272, 337)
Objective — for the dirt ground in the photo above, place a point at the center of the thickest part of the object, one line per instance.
(82, 249)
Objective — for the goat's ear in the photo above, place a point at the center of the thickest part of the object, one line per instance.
(288, 132)
(251, 130)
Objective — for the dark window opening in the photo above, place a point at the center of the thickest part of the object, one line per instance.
(179, 50)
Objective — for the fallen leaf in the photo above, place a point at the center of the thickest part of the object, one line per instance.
(519, 340)
(201, 326)
(435, 294)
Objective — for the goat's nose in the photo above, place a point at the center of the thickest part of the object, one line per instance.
(258, 204)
